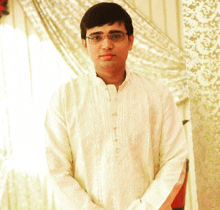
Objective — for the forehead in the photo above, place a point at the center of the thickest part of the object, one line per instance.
(105, 29)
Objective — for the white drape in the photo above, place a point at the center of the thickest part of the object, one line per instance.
(30, 70)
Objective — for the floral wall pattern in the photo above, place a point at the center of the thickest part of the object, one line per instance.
(202, 43)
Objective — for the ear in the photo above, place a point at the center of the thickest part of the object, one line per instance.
(84, 44)
(130, 42)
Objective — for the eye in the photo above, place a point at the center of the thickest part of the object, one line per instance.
(96, 37)
(116, 36)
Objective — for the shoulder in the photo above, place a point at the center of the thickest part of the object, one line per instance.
(155, 89)
(71, 90)
(151, 84)
(74, 85)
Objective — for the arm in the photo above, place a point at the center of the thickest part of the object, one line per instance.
(173, 153)
(59, 160)
(141, 204)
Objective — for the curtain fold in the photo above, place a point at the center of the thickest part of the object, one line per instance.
(30, 71)
(153, 53)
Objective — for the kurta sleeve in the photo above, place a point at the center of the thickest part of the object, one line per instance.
(60, 161)
(173, 154)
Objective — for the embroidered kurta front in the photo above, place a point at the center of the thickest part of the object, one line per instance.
(107, 148)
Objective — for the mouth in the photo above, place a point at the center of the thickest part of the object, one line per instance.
(108, 56)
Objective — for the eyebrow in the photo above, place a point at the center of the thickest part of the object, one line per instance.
(116, 31)
(110, 32)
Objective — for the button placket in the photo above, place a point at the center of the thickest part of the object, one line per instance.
(114, 108)
(114, 116)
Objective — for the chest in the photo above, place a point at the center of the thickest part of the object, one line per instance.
(111, 114)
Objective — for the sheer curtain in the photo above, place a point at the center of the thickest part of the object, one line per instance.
(30, 70)
(32, 39)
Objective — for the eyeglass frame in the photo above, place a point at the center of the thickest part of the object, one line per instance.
(103, 36)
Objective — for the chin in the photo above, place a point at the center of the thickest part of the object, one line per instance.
(108, 65)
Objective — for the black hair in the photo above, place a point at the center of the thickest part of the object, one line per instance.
(105, 13)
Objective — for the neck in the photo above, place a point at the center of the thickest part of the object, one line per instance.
(116, 78)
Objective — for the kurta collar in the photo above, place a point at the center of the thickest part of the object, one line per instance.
(98, 80)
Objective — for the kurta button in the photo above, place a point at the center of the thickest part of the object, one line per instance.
(115, 114)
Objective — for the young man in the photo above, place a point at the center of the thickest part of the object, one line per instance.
(114, 139)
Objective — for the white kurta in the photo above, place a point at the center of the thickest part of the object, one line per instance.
(108, 148)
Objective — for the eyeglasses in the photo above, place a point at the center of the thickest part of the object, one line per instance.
(115, 37)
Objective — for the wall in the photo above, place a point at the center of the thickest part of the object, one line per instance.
(202, 29)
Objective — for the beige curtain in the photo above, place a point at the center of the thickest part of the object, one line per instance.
(202, 30)
(30, 71)
(153, 53)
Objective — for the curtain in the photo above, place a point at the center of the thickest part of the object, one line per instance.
(153, 53)
(32, 39)
(202, 29)
(30, 71)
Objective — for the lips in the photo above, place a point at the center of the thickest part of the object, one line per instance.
(107, 55)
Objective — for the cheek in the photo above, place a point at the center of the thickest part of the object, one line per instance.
(123, 53)
(92, 52)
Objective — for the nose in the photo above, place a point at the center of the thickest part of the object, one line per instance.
(107, 44)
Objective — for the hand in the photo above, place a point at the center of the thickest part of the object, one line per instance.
(137, 205)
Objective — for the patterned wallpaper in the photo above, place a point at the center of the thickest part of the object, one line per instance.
(202, 43)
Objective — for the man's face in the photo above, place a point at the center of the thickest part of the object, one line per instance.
(108, 55)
